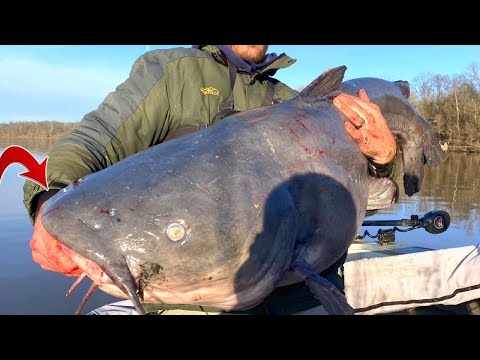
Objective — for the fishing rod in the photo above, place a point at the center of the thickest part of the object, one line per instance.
(434, 222)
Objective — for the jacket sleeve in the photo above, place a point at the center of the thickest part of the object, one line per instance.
(130, 119)
(283, 92)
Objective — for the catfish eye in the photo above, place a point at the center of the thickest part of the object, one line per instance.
(175, 231)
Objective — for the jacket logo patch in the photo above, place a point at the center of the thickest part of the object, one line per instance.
(209, 91)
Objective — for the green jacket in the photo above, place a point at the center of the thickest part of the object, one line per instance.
(166, 90)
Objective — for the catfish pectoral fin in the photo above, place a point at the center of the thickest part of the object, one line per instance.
(334, 302)
(382, 193)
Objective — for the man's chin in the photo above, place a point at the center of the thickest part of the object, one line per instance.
(254, 53)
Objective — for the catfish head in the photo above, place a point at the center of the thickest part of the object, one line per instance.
(419, 143)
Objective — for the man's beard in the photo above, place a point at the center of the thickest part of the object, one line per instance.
(254, 53)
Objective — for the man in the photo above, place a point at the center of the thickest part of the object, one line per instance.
(173, 92)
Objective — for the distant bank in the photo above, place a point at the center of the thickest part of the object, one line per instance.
(35, 129)
(53, 130)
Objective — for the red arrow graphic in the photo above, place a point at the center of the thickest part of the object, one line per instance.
(37, 172)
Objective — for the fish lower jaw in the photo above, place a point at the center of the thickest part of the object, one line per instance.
(220, 294)
(222, 297)
(96, 274)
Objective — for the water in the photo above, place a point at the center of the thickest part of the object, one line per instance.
(27, 289)
(454, 187)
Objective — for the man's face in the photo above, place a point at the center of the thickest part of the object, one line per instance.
(250, 52)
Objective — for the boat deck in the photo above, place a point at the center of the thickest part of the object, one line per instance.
(364, 250)
(357, 251)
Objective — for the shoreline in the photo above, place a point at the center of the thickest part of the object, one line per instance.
(469, 149)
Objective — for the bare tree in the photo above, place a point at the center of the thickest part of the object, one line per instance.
(473, 72)
(35, 129)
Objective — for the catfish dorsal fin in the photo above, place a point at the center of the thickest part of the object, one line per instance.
(326, 86)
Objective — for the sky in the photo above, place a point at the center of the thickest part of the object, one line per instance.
(63, 83)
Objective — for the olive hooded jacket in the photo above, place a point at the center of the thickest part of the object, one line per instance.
(166, 90)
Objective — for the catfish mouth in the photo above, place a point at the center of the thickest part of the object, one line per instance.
(106, 279)
(113, 274)
(118, 278)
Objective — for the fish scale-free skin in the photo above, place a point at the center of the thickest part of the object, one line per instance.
(256, 194)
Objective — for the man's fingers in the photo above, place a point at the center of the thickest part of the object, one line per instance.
(48, 252)
(43, 261)
(367, 126)
(349, 107)
(362, 94)
(354, 133)
(361, 102)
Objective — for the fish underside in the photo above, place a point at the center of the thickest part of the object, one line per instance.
(223, 216)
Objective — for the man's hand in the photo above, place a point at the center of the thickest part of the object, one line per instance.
(367, 127)
(46, 250)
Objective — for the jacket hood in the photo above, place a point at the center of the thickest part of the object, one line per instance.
(271, 62)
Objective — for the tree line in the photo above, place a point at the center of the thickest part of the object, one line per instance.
(35, 129)
(451, 103)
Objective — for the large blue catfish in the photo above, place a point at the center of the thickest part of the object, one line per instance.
(223, 216)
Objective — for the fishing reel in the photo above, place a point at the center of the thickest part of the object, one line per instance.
(434, 222)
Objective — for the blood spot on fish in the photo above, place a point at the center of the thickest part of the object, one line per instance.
(294, 133)
(305, 148)
(298, 119)
(109, 212)
(301, 124)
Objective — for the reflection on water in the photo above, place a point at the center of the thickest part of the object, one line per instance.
(452, 187)
(34, 145)
(27, 289)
